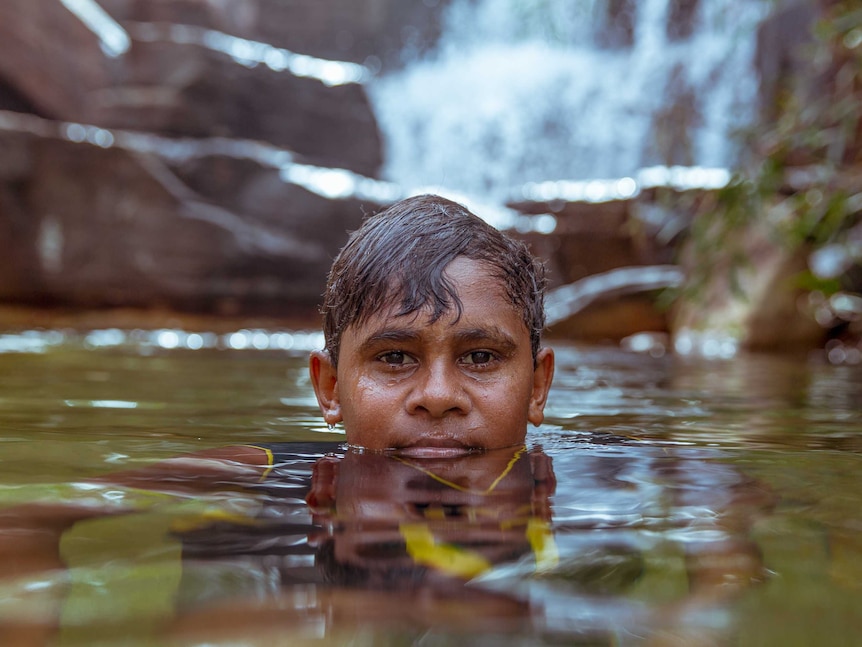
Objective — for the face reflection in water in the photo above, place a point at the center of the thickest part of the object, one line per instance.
(484, 542)
(399, 521)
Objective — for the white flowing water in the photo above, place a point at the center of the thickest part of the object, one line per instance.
(520, 91)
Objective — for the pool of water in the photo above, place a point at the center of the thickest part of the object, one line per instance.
(665, 501)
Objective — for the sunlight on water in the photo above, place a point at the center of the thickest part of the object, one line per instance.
(709, 345)
(103, 404)
(144, 340)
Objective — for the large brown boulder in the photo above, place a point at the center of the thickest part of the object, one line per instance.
(50, 59)
(92, 225)
(173, 83)
(597, 257)
(186, 214)
(375, 32)
(185, 89)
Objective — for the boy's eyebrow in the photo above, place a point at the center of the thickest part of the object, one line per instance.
(388, 336)
(491, 335)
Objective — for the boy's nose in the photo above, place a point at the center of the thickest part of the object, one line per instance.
(438, 392)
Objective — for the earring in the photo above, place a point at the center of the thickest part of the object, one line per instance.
(331, 426)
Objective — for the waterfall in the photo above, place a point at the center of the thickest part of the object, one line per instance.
(522, 91)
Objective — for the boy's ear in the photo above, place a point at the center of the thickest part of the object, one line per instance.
(324, 379)
(543, 375)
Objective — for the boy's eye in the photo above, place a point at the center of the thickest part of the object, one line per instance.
(396, 358)
(478, 357)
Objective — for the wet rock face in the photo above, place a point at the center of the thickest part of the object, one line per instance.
(86, 222)
(124, 230)
(783, 42)
(374, 32)
(186, 90)
(37, 40)
(189, 88)
(758, 305)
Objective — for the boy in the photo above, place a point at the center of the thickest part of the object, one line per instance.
(432, 321)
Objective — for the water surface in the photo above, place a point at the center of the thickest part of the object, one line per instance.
(665, 499)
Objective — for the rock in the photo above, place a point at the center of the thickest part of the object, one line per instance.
(182, 83)
(50, 59)
(590, 241)
(589, 238)
(89, 218)
(181, 89)
(124, 230)
(782, 57)
(756, 304)
(612, 320)
(375, 32)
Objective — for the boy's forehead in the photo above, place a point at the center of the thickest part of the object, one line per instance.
(390, 318)
(483, 302)
(502, 321)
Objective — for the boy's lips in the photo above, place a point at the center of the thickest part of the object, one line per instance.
(427, 451)
(435, 447)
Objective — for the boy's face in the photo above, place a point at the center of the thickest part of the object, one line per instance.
(439, 388)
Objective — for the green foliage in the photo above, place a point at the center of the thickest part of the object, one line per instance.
(812, 283)
(803, 183)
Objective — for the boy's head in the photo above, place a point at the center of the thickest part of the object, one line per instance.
(432, 320)
(399, 257)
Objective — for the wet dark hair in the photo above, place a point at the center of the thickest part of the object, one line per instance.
(399, 255)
